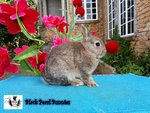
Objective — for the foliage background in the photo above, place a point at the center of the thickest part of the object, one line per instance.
(126, 60)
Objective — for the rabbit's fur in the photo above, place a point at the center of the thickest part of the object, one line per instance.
(73, 63)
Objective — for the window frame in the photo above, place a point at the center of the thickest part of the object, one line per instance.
(126, 23)
(85, 19)
(112, 19)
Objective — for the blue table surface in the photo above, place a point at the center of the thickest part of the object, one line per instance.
(126, 93)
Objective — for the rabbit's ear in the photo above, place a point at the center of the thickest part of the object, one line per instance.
(85, 31)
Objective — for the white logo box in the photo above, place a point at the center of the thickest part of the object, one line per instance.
(14, 102)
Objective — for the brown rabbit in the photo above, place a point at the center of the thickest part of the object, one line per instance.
(73, 63)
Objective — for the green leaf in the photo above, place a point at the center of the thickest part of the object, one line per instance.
(31, 51)
(77, 38)
(26, 66)
(72, 25)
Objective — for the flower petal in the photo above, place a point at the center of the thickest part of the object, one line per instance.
(6, 8)
(32, 61)
(14, 17)
(2, 74)
(29, 19)
(41, 67)
(31, 15)
(30, 27)
(12, 68)
(13, 27)
(42, 57)
(22, 5)
(4, 18)
(20, 50)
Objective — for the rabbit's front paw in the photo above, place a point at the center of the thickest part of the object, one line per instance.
(77, 82)
(92, 84)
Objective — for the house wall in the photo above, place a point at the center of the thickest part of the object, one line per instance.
(142, 39)
(100, 25)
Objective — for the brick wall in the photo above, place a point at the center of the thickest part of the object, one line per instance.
(142, 39)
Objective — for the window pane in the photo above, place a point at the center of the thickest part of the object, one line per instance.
(110, 33)
(129, 27)
(132, 27)
(113, 23)
(93, 4)
(88, 10)
(94, 16)
(121, 8)
(88, 16)
(109, 1)
(88, 0)
(132, 2)
(109, 8)
(132, 12)
(110, 25)
(109, 17)
(113, 14)
(124, 29)
(53, 7)
(88, 5)
(113, 5)
(123, 18)
(124, 5)
(93, 10)
(129, 3)
(129, 14)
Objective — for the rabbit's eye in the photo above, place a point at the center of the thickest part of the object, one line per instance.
(97, 44)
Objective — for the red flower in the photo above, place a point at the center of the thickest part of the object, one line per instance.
(6, 65)
(32, 60)
(81, 11)
(52, 21)
(94, 33)
(77, 3)
(112, 47)
(63, 27)
(27, 15)
(20, 50)
(58, 41)
(40, 63)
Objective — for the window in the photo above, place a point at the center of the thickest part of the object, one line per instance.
(126, 17)
(54, 7)
(121, 13)
(91, 10)
(111, 17)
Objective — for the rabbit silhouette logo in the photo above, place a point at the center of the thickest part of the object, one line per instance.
(13, 102)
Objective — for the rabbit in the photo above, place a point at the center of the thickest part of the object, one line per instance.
(73, 63)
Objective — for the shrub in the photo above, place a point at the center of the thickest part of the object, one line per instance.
(126, 60)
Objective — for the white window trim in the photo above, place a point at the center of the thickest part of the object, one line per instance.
(85, 20)
(126, 34)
